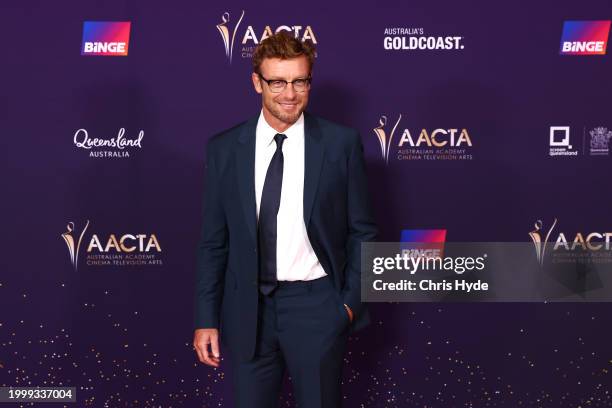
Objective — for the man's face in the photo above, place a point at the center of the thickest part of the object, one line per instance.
(288, 105)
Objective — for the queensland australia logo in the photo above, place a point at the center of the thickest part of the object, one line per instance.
(585, 37)
(421, 144)
(126, 249)
(118, 146)
(106, 38)
(417, 39)
(244, 39)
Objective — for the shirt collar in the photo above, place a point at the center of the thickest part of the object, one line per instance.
(267, 132)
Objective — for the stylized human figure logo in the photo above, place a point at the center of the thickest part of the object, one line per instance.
(228, 40)
(73, 247)
(382, 136)
(540, 244)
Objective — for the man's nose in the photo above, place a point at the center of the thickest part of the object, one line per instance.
(289, 91)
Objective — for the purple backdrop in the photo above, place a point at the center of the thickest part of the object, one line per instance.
(122, 333)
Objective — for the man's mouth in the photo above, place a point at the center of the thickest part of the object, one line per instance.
(288, 105)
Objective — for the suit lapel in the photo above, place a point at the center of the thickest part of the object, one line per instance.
(245, 171)
(313, 159)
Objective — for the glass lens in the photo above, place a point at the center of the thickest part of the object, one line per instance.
(277, 86)
(299, 85)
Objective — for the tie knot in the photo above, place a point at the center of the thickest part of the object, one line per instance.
(278, 138)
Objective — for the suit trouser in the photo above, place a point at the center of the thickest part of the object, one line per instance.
(302, 327)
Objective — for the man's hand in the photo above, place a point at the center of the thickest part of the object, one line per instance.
(350, 312)
(201, 339)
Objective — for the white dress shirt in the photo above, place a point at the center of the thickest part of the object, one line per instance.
(295, 258)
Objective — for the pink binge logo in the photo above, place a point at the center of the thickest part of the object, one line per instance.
(107, 38)
(585, 37)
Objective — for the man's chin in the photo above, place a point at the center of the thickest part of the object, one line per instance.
(287, 117)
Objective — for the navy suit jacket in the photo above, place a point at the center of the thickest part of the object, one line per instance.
(337, 215)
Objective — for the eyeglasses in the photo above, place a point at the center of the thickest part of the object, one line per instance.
(279, 85)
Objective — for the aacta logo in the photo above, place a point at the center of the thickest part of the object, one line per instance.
(228, 28)
(585, 37)
(432, 144)
(125, 243)
(106, 38)
(593, 241)
(540, 238)
(73, 242)
(113, 249)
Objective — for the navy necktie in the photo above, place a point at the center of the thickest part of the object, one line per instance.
(268, 209)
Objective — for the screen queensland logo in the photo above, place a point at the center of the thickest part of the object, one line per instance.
(106, 38)
(560, 143)
(110, 249)
(241, 39)
(595, 141)
(419, 39)
(585, 37)
(443, 143)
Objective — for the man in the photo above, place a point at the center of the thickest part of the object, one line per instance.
(285, 211)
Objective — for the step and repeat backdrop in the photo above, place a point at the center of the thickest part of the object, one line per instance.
(481, 121)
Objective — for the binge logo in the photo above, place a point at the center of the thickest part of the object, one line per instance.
(423, 243)
(585, 37)
(108, 38)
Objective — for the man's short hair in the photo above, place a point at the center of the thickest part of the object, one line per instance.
(283, 45)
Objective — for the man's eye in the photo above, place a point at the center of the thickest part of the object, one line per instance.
(299, 82)
(276, 83)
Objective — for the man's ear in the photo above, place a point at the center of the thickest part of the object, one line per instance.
(256, 83)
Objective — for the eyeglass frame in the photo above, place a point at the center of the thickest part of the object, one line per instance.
(308, 80)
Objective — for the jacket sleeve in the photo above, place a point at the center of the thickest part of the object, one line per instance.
(212, 250)
(361, 225)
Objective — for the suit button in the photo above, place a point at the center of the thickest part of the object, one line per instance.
(254, 283)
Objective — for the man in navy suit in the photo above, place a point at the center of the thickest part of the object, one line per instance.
(285, 210)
